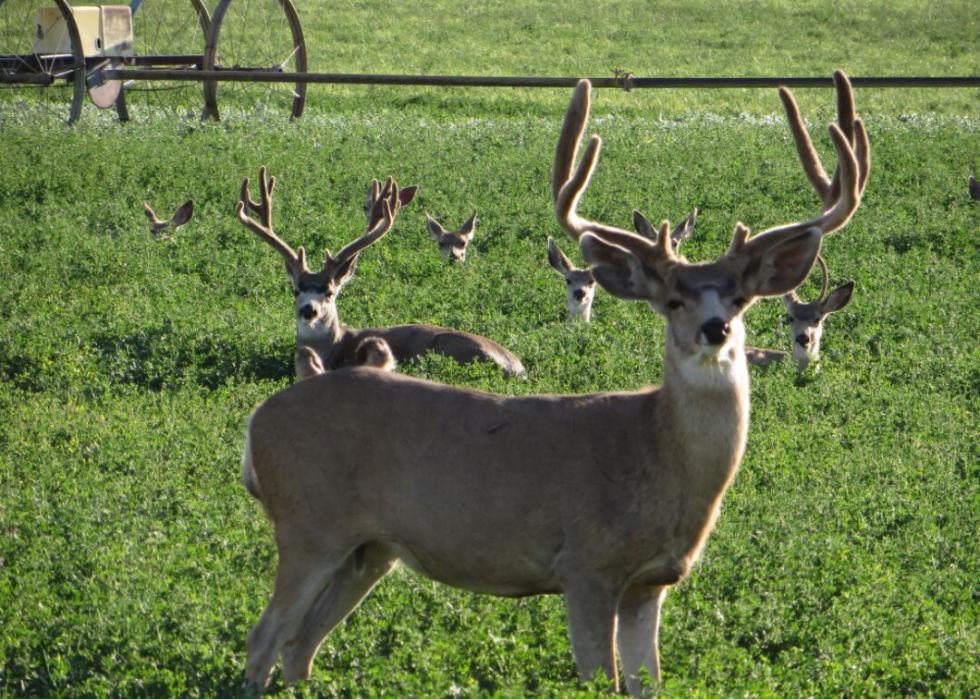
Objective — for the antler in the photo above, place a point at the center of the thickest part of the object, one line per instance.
(295, 259)
(567, 187)
(853, 129)
(390, 206)
(840, 196)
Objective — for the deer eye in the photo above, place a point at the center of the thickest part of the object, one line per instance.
(790, 319)
(674, 304)
(739, 302)
(295, 293)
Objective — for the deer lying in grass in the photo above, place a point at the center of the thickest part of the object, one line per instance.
(806, 319)
(181, 216)
(579, 283)
(317, 323)
(452, 244)
(605, 498)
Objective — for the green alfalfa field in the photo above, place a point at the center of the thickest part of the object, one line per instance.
(845, 560)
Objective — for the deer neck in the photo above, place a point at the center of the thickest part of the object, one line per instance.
(704, 407)
(326, 337)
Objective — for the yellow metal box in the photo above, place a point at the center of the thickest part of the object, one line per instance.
(105, 30)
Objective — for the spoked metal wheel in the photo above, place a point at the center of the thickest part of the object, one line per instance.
(255, 35)
(168, 34)
(42, 64)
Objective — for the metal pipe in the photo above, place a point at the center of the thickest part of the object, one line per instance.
(261, 75)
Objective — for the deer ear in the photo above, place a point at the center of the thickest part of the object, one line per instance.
(684, 229)
(557, 259)
(469, 226)
(619, 271)
(435, 228)
(345, 271)
(406, 195)
(183, 214)
(779, 268)
(642, 225)
(838, 298)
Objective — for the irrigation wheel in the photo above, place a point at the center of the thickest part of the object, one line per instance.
(255, 35)
(168, 34)
(57, 84)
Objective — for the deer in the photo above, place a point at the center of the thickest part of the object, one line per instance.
(580, 284)
(806, 319)
(604, 498)
(452, 244)
(181, 216)
(317, 323)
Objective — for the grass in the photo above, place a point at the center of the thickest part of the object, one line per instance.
(133, 563)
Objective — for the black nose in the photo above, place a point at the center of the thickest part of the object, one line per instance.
(803, 340)
(715, 331)
(307, 312)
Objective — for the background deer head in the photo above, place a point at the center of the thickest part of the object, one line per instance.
(452, 244)
(806, 319)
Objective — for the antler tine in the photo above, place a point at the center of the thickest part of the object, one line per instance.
(295, 260)
(853, 129)
(372, 236)
(263, 207)
(835, 216)
(841, 197)
(567, 187)
(823, 280)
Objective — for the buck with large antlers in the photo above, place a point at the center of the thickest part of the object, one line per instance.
(317, 324)
(606, 498)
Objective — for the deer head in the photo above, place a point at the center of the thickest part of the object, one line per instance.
(580, 284)
(452, 244)
(315, 292)
(181, 216)
(806, 319)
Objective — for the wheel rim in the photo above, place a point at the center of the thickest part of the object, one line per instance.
(161, 29)
(261, 35)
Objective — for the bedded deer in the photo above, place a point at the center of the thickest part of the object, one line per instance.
(181, 216)
(317, 323)
(605, 498)
(806, 319)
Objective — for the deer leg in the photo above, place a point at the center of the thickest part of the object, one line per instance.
(638, 631)
(350, 584)
(299, 579)
(591, 625)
